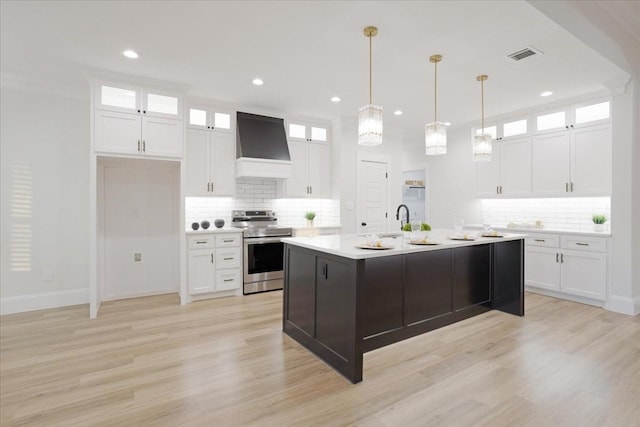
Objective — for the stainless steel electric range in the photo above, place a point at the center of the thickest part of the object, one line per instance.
(263, 260)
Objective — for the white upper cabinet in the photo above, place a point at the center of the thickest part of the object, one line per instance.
(310, 161)
(210, 153)
(298, 131)
(208, 118)
(555, 153)
(551, 159)
(137, 100)
(133, 121)
(509, 171)
(575, 160)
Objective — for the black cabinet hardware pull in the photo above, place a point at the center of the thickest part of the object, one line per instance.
(561, 258)
(228, 280)
(539, 240)
(228, 241)
(211, 258)
(582, 244)
(557, 256)
(227, 259)
(199, 242)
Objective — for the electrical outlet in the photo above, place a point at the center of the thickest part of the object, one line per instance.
(137, 257)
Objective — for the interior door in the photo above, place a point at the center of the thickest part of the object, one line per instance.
(372, 197)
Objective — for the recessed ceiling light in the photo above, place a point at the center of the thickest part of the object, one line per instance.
(257, 82)
(335, 99)
(546, 93)
(447, 123)
(130, 54)
(398, 112)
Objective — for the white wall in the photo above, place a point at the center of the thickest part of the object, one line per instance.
(451, 183)
(45, 175)
(344, 154)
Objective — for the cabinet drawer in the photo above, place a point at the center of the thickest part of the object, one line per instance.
(228, 279)
(548, 240)
(199, 242)
(584, 244)
(228, 258)
(228, 240)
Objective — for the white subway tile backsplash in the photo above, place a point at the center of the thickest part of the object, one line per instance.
(261, 194)
(556, 213)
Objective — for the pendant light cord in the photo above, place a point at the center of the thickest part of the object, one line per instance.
(370, 73)
(482, 101)
(435, 92)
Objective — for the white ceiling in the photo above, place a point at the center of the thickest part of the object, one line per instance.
(307, 52)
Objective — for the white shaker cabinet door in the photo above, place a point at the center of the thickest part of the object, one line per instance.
(488, 175)
(591, 161)
(162, 137)
(201, 273)
(542, 267)
(196, 157)
(515, 167)
(319, 159)
(298, 184)
(551, 165)
(117, 132)
(223, 163)
(584, 274)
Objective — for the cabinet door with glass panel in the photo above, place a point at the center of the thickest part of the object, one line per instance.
(572, 151)
(135, 121)
(311, 163)
(508, 173)
(210, 153)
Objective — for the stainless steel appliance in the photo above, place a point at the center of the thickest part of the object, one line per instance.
(263, 261)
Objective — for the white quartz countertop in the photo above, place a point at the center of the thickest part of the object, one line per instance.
(213, 230)
(344, 245)
(527, 230)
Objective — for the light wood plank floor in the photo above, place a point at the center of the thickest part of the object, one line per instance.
(150, 361)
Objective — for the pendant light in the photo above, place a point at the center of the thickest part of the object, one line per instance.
(482, 143)
(435, 134)
(370, 116)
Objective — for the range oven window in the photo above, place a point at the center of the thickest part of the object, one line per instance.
(264, 257)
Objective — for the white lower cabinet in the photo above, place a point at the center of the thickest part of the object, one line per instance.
(214, 262)
(542, 269)
(572, 265)
(584, 274)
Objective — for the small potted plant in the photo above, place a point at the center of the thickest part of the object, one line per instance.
(599, 222)
(310, 216)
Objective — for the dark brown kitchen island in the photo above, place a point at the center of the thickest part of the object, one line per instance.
(341, 301)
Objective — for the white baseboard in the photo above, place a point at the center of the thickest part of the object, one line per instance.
(622, 305)
(561, 295)
(615, 303)
(22, 303)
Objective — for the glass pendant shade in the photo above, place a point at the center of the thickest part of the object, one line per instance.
(370, 125)
(482, 148)
(435, 140)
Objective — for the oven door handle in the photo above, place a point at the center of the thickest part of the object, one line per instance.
(259, 240)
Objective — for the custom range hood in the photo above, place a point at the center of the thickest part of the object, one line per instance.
(261, 147)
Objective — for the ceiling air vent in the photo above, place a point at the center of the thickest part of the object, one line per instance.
(526, 53)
